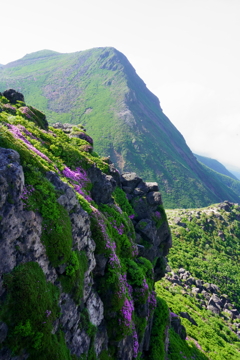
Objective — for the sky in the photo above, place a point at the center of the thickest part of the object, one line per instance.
(186, 51)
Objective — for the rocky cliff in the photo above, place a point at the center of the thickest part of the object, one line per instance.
(81, 245)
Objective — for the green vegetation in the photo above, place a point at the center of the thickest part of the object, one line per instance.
(208, 245)
(30, 309)
(100, 89)
(31, 305)
(211, 338)
(205, 241)
(47, 155)
(215, 165)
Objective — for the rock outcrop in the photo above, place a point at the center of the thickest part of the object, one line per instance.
(208, 296)
(73, 227)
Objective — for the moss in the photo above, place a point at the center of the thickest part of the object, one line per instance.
(84, 203)
(121, 199)
(30, 308)
(160, 322)
(73, 279)
(104, 355)
(57, 238)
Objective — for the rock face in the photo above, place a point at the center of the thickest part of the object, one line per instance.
(13, 96)
(90, 280)
(153, 234)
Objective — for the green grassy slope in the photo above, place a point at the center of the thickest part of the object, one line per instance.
(215, 165)
(206, 242)
(100, 89)
(232, 184)
(210, 337)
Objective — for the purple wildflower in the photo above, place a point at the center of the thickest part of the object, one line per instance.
(26, 192)
(78, 178)
(18, 135)
(135, 343)
(158, 215)
(48, 313)
(173, 314)
(127, 311)
(152, 301)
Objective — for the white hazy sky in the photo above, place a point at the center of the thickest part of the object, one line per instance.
(186, 51)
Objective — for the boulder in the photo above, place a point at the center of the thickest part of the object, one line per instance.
(130, 180)
(213, 309)
(154, 198)
(13, 96)
(178, 327)
(188, 317)
(102, 185)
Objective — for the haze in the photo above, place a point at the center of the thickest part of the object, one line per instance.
(187, 52)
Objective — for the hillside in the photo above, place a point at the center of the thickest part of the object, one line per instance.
(206, 243)
(202, 285)
(215, 165)
(100, 89)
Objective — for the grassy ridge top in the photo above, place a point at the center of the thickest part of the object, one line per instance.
(100, 89)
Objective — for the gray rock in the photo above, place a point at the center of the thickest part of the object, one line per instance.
(206, 294)
(181, 271)
(130, 180)
(147, 230)
(102, 185)
(3, 331)
(101, 262)
(213, 309)
(190, 281)
(154, 198)
(178, 327)
(152, 186)
(188, 317)
(199, 283)
(101, 340)
(95, 308)
(196, 290)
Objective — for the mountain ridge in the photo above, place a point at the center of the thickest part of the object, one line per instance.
(215, 165)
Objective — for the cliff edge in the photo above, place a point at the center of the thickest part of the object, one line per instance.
(81, 245)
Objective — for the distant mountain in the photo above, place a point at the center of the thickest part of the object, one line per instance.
(215, 165)
(236, 173)
(234, 170)
(100, 89)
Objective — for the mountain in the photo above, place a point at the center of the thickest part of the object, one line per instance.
(78, 261)
(100, 89)
(215, 165)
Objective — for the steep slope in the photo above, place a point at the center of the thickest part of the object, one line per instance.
(202, 285)
(215, 165)
(100, 89)
(74, 283)
(232, 184)
(207, 243)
